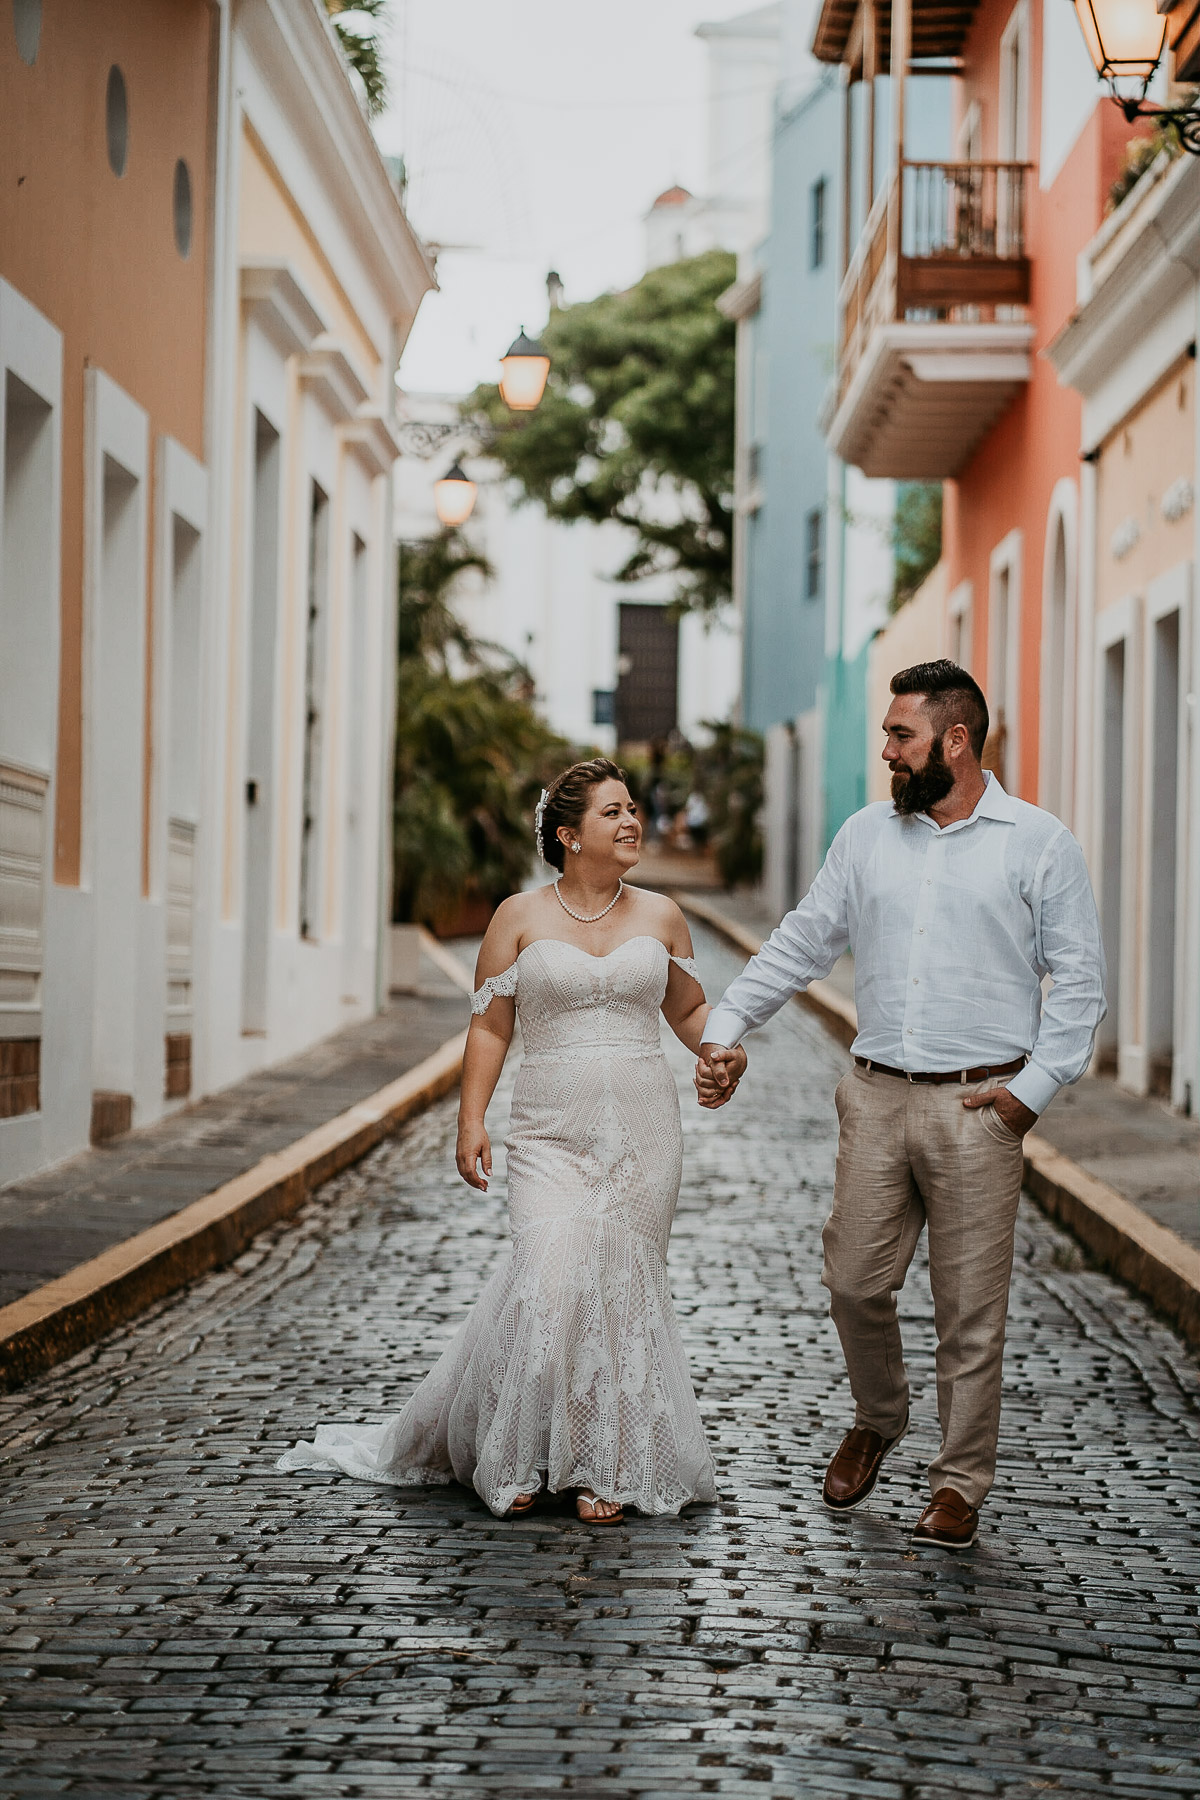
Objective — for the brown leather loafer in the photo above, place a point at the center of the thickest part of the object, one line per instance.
(948, 1521)
(854, 1470)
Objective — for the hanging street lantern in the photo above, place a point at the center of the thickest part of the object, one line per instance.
(523, 371)
(454, 496)
(1126, 40)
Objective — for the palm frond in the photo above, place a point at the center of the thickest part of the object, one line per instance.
(361, 32)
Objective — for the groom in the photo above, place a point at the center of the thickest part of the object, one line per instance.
(956, 901)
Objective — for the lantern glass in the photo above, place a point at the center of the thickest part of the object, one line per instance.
(454, 497)
(523, 372)
(1125, 38)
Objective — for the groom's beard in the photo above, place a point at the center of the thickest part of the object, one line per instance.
(917, 792)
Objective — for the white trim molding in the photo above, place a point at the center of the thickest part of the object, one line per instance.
(1006, 560)
(330, 376)
(370, 437)
(278, 300)
(1059, 679)
(1120, 624)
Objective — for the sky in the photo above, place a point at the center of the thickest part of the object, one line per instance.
(537, 134)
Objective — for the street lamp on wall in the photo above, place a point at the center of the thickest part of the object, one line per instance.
(1126, 40)
(523, 371)
(454, 496)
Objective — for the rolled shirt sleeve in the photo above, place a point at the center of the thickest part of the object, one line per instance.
(802, 948)
(1072, 953)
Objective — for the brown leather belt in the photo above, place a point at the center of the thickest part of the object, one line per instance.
(960, 1075)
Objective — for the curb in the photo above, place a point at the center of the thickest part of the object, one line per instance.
(62, 1317)
(1154, 1261)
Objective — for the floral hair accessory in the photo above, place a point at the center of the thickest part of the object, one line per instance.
(537, 824)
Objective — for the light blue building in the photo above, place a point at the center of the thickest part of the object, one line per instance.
(813, 541)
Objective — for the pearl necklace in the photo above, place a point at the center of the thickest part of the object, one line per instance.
(588, 918)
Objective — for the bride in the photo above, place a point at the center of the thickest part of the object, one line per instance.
(569, 1373)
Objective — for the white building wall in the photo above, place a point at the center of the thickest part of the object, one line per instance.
(153, 942)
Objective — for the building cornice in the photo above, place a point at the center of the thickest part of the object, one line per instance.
(1134, 287)
(295, 47)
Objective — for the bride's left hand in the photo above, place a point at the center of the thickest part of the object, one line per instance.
(474, 1148)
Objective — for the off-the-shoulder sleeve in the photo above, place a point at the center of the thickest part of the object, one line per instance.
(687, 964)
(505, 983)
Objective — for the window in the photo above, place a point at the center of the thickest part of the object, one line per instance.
(27, 26)
(816, 258)
(182, 209)
(314, 709)
(812, 555)
(603, 711)
(116, 121)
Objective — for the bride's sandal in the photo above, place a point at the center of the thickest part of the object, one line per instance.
(593, 1515)
(524, 1503)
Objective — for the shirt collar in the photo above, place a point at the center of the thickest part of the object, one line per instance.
(993, 803)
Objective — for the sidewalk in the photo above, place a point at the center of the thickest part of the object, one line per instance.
(1121, 1171)
(229, 1163)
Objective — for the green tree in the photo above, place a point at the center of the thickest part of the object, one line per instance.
(636, 425)
(471, 752)
(729, 773)
(916, 537)
(359, 27)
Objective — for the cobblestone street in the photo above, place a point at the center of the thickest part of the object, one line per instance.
(177, 1618)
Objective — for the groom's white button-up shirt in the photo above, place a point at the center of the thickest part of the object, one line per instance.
(952, 931)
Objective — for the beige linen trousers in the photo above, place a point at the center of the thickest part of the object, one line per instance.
(911, 1155)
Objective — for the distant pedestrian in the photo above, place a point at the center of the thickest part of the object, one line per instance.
(957, 901)
(695, 818)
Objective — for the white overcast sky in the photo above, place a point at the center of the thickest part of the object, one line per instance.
(537, 133)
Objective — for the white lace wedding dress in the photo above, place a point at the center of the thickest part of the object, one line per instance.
(569, 1371)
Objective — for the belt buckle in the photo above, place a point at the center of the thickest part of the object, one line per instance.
(908, 1076)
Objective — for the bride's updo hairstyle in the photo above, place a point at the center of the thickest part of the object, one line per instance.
(567, 799)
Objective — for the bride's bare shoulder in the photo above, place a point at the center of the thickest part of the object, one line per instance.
(514, 917)
(662, 918)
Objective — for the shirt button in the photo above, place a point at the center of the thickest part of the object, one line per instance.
(928, 882)
(916, 981)
(909, 1032)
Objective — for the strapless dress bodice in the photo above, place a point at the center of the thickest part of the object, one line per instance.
(572, 1003)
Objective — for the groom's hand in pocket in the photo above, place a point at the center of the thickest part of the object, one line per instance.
(1013, 1112)
(718, 1071)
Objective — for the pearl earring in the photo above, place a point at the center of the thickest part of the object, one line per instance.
(575, 848)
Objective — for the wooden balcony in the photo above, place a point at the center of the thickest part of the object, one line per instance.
(933, 338)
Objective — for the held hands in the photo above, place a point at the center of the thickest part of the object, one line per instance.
(718, 1071)
(473, 1148)
(1009, 1110)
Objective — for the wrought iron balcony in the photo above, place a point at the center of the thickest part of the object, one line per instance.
(933, 341)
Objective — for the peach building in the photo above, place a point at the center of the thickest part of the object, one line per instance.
(206, 278)
(1129, 351)
(957, 277)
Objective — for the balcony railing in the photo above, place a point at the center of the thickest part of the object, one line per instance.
(943, 241)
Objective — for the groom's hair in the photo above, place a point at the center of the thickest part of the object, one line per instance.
(952, 697)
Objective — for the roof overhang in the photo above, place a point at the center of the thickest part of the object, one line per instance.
(925, 394)
(939, 30)
(743, 299)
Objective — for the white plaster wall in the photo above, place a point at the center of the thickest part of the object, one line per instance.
(868, 571)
